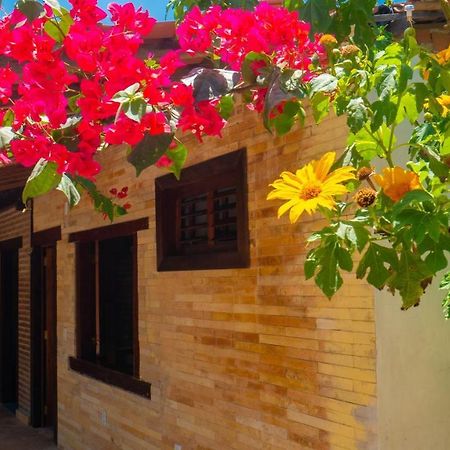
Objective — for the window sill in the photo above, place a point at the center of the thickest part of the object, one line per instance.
(111, 377)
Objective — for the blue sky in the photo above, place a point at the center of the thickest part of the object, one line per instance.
(157, 8)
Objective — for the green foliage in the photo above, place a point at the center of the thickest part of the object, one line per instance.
(403, 241)
(43, 179)
(149, 150)
(102, 203)
(178, 156)
(70, 190)
(339, 17)
(181, 7)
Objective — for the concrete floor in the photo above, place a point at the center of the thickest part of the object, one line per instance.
(16, 436)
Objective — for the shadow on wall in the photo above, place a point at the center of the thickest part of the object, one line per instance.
(413, 372)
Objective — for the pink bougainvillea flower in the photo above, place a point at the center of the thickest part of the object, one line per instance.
(7, 79)
(163, 162)
(124, 130)
(127, 18)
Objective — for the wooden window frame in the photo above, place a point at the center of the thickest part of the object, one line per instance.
(131, 383)
(216, 173)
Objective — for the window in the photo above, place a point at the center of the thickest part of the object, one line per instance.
(202, 218)
(107, 325)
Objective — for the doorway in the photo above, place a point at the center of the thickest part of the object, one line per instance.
(9, 310)
(44, 339)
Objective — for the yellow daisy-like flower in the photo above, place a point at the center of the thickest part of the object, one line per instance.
(310, 187)
(444, 101)
(443, 56)
(396, 182)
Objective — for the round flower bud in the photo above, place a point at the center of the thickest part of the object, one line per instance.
(328, 40)
(336, 52)
(350, 50)
(364, 173)
(428, 117)
(365, 197)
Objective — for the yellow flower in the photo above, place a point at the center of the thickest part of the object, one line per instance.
(328, 40)
(396, 182)
(444, 101)
(310, 187)
(443, 56)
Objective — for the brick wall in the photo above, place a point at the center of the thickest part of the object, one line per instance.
(245, 359)
(15, 224)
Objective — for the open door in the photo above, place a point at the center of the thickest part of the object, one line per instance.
(9, 269)
(44, 344)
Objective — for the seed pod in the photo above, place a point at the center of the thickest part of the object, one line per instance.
(365, 197)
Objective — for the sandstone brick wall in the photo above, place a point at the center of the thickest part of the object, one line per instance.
(242, 359)
(15, 224)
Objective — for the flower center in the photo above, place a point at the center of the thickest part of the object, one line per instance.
(309, 192)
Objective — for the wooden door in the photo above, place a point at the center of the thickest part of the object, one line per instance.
(44, 344)
(9, 268)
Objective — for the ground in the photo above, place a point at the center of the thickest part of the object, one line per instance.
(16, 436)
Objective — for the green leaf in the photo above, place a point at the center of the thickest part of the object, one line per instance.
(323, 83)
(149, 150)
(367, 144)
(73, 103)
(318, 14)
(436, 259)
(408, 278)
(311, 263)
(67, 186)
(387, 83)
(407, 108)
(374, 260)
(6, 136)
(248, 74)
(178, 156)
(412, 197)
(209, 84)
(8, 119)
(54, 4)
(59, 27)
(356, 114)
(344, 259)
(135, 108)
(421, 223)
(320, 103)
(282, 123)
(405, 75)
(328, 278)
(445, 282)
(226, 105)
(102, 203)
(31, 9)
(386, 111)
(43, 179)
(274, 96)
(126, 94)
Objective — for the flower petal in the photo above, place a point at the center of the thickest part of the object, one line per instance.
(323, 166)
(283, 208)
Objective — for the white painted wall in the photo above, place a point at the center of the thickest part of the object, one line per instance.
(413, 370)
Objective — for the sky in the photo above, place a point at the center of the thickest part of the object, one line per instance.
(157, 8)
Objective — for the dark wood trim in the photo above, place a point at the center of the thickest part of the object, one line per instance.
(110, 231)
(108, 376)
(36, 419)
(211, 168)
(46, 237)
(136, 349)
(11, 244)
(223, 171)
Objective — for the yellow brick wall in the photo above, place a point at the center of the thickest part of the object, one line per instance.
(14, 224)
(240, 359)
